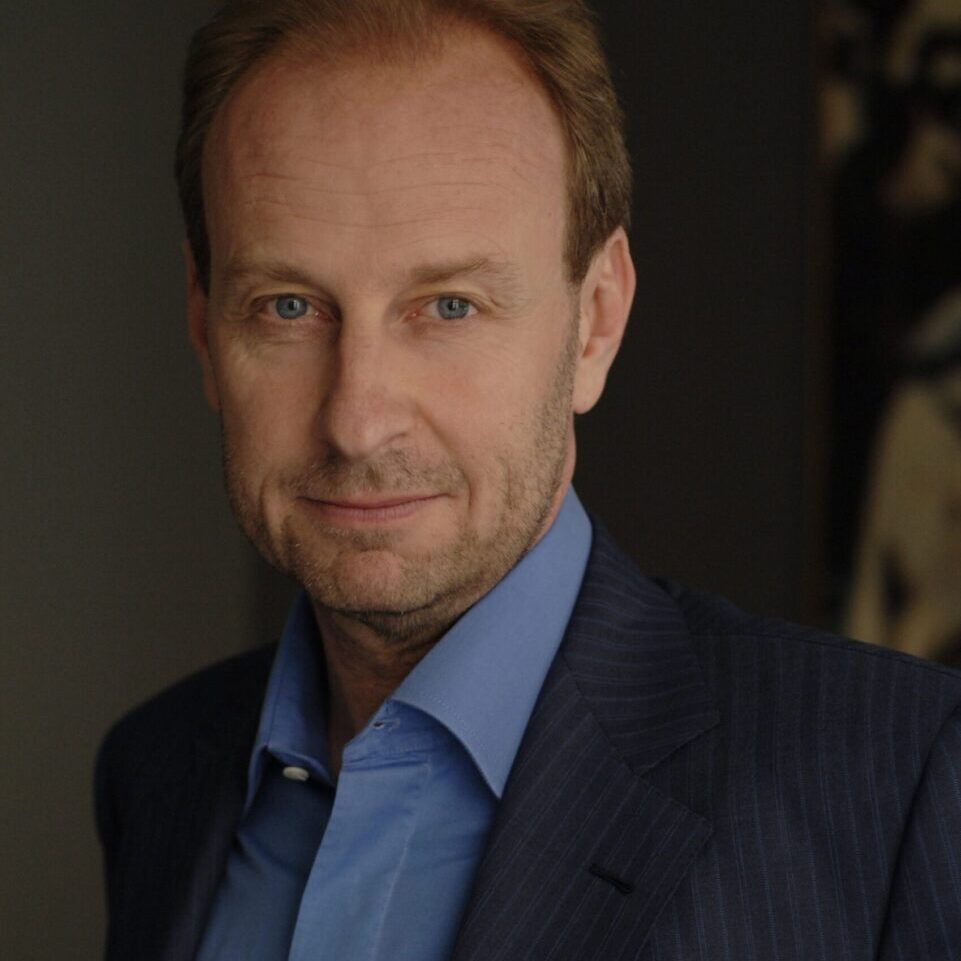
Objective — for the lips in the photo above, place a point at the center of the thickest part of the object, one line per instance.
(366, 510)
(380, 503)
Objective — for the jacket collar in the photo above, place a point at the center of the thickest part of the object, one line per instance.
(585, 853)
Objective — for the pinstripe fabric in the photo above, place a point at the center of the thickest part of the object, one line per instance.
(693, 784)
(794, 762)
(573, 800)
(812, 782)
(920, 921)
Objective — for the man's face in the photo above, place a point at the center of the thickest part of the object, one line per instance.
(390, 336)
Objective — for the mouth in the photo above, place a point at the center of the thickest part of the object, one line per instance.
(372, 510)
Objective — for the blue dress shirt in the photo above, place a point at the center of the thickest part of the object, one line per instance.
(379, 864)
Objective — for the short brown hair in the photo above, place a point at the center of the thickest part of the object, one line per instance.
(557, 39)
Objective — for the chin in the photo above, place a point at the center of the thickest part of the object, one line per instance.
(369, 580)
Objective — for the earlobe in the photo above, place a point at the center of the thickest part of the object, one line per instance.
(605, 304)
(197, 328)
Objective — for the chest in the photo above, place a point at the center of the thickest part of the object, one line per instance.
(377, 866)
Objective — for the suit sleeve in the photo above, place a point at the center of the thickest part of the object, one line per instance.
(924, 909)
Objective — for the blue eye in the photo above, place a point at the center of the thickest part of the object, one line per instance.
(290, 307)
(453, 308)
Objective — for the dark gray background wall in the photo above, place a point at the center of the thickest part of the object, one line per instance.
(120, 568)
(697, 454)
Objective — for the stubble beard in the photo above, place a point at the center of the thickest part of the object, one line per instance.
(428, 593)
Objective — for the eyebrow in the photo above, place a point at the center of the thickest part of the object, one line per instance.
(501, 275)
(239, 269)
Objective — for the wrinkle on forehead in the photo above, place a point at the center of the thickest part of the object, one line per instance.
(351, 200)
(368, 218)
(369, 161)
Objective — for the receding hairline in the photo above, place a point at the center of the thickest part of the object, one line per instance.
(372, 38)
(390, 39)
(307, 50)
(345, 60)
(554, 43)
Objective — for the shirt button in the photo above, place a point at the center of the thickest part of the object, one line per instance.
(296, 773)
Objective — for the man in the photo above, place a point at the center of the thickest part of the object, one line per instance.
(484, 735)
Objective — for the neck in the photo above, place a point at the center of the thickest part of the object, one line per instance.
(365, 665)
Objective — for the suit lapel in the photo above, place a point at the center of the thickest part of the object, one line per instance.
(585, 852)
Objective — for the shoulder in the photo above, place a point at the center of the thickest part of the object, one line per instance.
(197, 700)
(758, 664)
(757, 660)
(712, 618)
(210, 705)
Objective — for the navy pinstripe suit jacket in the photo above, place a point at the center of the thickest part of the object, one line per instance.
(693, 784)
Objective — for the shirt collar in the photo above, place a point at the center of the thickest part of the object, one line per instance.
(293, 723)
(480, 680)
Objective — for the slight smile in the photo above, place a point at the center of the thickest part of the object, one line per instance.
(371, 511)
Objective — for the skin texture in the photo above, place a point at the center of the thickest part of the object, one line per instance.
(397, 461)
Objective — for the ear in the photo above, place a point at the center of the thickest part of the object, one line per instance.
(197, 328)
(605, 303)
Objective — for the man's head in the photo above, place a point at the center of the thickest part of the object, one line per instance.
(393, 323)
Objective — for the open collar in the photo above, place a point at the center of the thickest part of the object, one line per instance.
(482, 679)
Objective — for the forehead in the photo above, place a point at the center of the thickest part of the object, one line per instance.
(459, 139)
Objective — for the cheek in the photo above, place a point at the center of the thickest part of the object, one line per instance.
(267, 408)
(485, 407)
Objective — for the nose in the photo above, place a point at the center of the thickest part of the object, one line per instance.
(365, 408)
